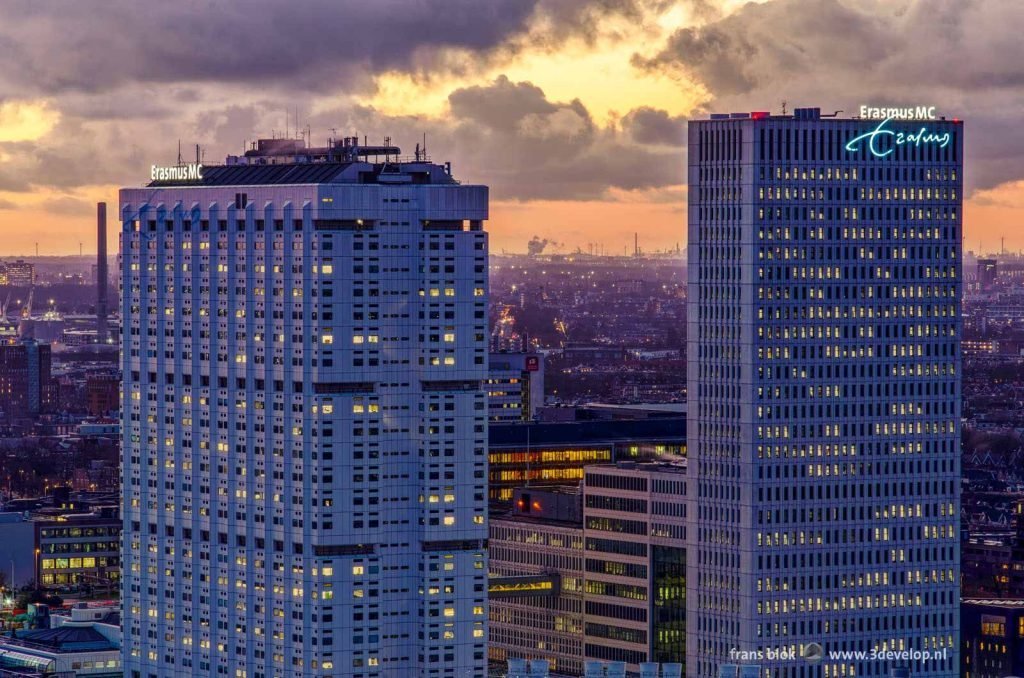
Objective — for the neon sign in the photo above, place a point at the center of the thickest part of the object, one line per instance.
(191, 172)
(875, 136)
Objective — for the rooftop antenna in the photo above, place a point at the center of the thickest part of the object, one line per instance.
(783, 106)
(179, 151)
(425, 146)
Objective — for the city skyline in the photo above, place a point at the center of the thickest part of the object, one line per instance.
(573, 112)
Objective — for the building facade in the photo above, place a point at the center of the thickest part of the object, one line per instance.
(634, 529)
(27, 386)
(77, 552)
(555, 454)
(992, 631)
(515, 386)
(304, 421)
(612, 556)
(20, 273)
(539, 541)
(824, 391)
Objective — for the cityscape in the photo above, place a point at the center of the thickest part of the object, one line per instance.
(519, 339)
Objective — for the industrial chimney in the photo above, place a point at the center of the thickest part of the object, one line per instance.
(101, 273)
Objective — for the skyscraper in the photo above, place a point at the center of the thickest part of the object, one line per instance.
(305, 429)
(824, 391)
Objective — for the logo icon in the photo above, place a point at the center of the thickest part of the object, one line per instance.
(813, 652)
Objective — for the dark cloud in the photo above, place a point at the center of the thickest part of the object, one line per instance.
(528, 147)
(95, 46)
(309, 45)
(648, 125)
(763, 43)
(963, 56)
(501, 103)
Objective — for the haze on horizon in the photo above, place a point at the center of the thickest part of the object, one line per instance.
(573, 111)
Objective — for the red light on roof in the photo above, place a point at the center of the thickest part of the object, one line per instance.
(759, 115)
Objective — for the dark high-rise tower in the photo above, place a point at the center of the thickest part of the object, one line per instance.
(101, 273)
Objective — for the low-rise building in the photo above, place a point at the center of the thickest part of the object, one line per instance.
(992, 637)
(593, 573)
(549, 454)
(79, 551)
(71, 646)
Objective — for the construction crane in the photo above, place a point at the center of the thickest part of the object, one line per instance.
(27, 311)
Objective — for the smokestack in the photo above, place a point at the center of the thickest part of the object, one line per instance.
(101, 272)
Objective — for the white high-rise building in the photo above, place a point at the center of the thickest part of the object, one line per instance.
(305, 428)
(824, 394)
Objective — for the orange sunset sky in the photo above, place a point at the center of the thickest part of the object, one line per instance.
(573, 111)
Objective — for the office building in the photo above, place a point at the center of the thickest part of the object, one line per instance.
(536, 587)
(20, 273)
(993, 637)
(595, 573)
(79, 551)
(305, 425)
(988, 273)
(552, 454)
(515, 387)
(824, 322)
(27, 387)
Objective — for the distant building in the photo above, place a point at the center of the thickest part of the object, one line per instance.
(20, 273)
(103, 394)
(594, 355)
(597, 579)
(992, 564)
(515, 386)
(547, 454)
(988, 273)
(78, 550)
(71, 647)
(992, 636)
(27, 387)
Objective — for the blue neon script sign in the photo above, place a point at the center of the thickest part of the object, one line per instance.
(875, 136)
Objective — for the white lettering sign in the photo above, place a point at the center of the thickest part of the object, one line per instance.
(900, 113)
(190, 172)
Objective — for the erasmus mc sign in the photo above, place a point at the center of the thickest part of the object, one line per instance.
(916, 137)
(898, 112)
(190, 172)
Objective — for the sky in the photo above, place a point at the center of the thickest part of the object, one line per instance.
(573, 111)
